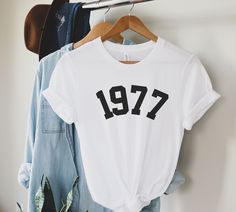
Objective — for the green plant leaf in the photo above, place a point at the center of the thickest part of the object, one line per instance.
(49, 204)
(44, 200)
(70, 196)
(39, 197)
(63, 207)
(19, 207)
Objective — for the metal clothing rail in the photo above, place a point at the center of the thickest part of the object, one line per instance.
(110, 3)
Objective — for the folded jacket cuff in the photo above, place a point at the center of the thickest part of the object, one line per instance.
(176, 182)
(24, 174)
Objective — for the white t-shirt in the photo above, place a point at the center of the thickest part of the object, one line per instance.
(130, 118)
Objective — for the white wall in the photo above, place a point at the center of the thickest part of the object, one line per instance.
(206, 28)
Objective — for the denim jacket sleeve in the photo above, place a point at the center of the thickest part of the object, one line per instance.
(25, 168)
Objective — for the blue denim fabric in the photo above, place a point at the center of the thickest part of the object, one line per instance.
(52, 148)
(48, 147)
(69, 23)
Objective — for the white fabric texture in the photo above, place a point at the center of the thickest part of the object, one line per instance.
(130, 118)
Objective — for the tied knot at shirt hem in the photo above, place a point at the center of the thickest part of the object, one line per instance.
(133, 205)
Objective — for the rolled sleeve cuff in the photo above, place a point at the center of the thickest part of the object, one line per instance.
(59, 106)
(200, 108)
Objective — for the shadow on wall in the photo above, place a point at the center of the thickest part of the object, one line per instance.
(196, 20)
(204, 157)
(204, 150)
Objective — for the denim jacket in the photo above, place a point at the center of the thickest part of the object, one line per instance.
(52, 149)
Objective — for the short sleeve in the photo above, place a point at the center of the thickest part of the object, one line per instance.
(199, 95)
(61, 91)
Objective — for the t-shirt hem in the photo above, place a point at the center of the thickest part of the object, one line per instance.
(59, 106)
(200, 108)
(139, 204)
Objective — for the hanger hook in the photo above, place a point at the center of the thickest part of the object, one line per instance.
(131, 8)
(104, 16)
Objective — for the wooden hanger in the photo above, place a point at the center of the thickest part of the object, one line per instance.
(97, 31)
(133, 23)
(129, 22)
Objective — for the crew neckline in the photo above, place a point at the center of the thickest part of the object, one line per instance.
(155, 50)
